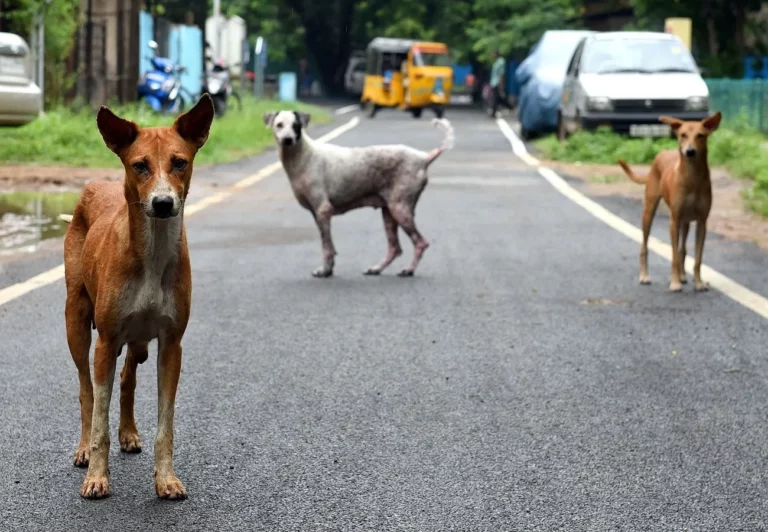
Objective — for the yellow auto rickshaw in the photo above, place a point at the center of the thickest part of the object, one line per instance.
(408, 75)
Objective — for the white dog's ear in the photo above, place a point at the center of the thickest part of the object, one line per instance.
(303, 118)
(268, 118)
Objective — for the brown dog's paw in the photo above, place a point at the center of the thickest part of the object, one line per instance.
(95, 487)
(82, 457)
(675, 286)
(405, 273)
(130, 442)
(170, 488)
(645, 279)
(701, 287)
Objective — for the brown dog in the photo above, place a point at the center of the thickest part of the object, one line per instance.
(681, 177)
(127, 272)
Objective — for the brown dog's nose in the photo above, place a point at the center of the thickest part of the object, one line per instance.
(163, 206)
(690, 152)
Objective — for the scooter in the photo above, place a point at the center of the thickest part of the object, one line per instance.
(160, 88)
(217, 82)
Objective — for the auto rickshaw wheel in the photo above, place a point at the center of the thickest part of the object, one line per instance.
(439, 111)
(416, 112)
(371, 108)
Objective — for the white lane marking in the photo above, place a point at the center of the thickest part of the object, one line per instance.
(347, 109)
(741, 294)
(54, 274)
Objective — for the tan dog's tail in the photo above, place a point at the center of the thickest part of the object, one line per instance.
(627, 170)
(67, 218)
(447, 143)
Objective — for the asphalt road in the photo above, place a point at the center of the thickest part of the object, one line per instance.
(521, 381)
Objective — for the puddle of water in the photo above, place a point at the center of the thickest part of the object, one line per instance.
(28, 218)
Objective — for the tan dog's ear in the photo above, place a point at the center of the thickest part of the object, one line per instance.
(268, 117)
(117, 132)
(713, 121)
(195, 124)
(674, 123)
(303, 118)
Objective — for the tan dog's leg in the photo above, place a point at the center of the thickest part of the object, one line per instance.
(96, 483)
(128, 434)
(79, 312)
(167, 485)
(652, 199)
(701, 234)
(674, 236)
(683, 251)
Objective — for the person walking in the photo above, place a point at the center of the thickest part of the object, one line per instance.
(497, 84)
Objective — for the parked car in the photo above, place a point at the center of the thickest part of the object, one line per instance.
(20, 98)
(354, 78)
(540, 78)
(626, 80)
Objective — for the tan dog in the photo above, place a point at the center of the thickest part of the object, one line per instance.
(681, 177)
(127, 273)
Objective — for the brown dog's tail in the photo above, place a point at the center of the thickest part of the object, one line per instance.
(447, 143)
(66, 218)
(627, 170)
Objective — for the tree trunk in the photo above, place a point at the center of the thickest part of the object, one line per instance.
(711, 30)
(740, 22)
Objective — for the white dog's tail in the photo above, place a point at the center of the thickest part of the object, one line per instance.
(67, 218)
(448, 139)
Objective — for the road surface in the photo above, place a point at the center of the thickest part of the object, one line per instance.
(521, 381)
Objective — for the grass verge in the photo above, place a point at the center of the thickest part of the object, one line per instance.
(742, 151)
(67, 138)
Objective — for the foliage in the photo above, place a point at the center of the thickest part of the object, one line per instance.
(742, 150)
(60, 26)
(64, 137)
(513, 26)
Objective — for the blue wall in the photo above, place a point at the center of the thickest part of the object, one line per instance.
(185, 47)
(146, 34)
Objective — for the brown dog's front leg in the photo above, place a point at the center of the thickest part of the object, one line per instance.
(701, 234)
(683, 250)
(167, 485)
(323, 217)
(96, 483)
(674, 237)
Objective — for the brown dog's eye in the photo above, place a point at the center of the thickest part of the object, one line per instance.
(141, 168)
(700, 136)
(684, 135)
(179, 164)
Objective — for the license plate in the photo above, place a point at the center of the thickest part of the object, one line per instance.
(12, 66)
(649, 130)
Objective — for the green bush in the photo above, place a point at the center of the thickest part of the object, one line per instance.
(68, 138)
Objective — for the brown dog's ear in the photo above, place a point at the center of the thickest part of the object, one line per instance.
(118, 133)
(303, 118)
(713, 121)
(268, 117)
(674, 123)
(195, 124)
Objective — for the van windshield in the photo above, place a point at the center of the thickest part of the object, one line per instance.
(639, 55)
(424, 58)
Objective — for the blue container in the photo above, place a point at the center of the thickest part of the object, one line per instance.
(287, 86)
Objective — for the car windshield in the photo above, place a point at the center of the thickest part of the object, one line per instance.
(422, 58)
(645, 56)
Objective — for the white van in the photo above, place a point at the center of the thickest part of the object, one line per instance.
(626, 80)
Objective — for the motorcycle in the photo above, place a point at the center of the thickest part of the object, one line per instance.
(160, 88)
(217, 83)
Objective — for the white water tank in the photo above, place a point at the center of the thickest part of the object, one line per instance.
(232, 34)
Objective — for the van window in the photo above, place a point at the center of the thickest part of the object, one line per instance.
(637, 54)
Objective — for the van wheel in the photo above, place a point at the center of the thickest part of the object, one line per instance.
(416, 112)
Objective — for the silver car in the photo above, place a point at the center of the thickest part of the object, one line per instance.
(20, 99)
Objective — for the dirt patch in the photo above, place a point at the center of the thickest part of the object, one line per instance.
(729, 216)
(46, 177)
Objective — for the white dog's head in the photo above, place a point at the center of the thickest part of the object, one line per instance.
(287, 126)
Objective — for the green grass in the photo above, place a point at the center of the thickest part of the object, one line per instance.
(742, 151)
(66, 138)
